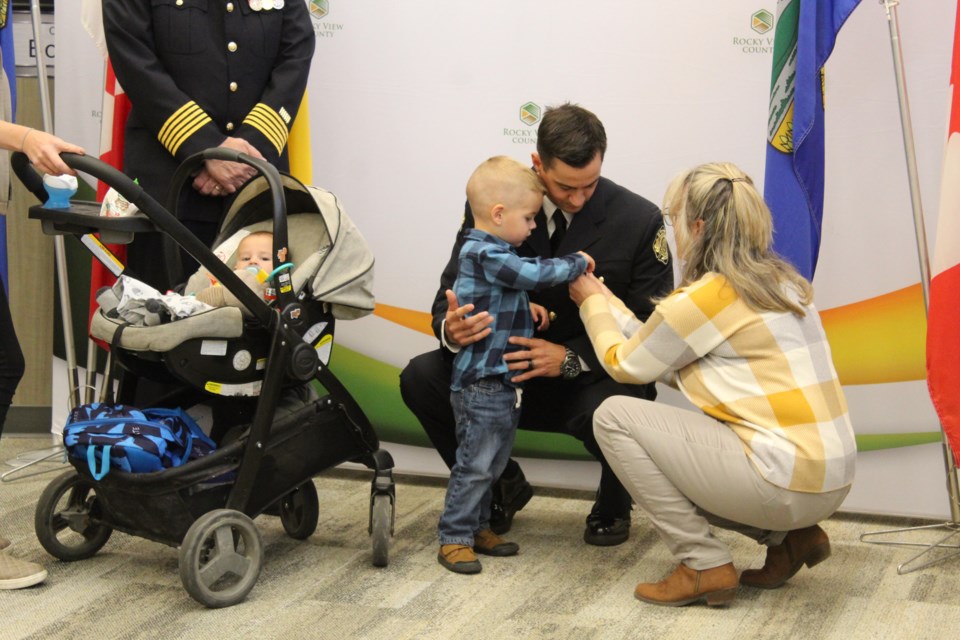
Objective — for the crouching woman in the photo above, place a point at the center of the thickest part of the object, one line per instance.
(770, 451)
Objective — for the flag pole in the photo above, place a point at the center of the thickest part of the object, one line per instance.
(952, 527)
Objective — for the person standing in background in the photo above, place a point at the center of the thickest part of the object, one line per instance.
(225, 74)
(44, 151)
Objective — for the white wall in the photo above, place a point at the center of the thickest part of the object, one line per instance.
(406, 98)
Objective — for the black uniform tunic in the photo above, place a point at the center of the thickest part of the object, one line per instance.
(197, 71)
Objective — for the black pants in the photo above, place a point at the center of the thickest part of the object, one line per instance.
(11, 358)
(549, 404)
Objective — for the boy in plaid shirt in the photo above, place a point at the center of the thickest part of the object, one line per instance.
(504, 196)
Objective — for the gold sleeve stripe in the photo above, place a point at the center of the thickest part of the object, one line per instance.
(184, 122)
(270, 124)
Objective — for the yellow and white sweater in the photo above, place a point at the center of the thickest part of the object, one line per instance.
(769, 376)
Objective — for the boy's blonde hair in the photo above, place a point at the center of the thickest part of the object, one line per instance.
(736, 237)
(500, 180)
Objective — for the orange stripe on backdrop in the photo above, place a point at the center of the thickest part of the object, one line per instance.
(879, 340)
(416, 320)
(874, 341)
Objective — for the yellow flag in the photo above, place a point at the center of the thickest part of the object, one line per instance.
(298, 145)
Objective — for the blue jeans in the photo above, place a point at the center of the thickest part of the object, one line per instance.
(487, 412)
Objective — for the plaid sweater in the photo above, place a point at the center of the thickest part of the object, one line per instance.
(769, 376)
(494, 278)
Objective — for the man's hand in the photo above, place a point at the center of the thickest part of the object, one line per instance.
(538, 358)
(460, 330)
(227, 176)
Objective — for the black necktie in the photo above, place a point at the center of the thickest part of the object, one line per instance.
(559, 230)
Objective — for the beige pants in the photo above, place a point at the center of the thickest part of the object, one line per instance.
(688, 470)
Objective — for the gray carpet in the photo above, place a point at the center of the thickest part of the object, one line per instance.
(558, 587)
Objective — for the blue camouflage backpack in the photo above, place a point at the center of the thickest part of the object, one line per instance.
(133, 440)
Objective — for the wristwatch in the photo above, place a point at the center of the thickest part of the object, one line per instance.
(570, 367)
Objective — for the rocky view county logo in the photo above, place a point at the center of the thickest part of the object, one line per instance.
(319, 8)
(530, 113)
(761, 21)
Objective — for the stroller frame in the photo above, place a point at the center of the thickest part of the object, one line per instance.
(199, 506)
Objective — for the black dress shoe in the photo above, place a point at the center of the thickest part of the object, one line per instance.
(509, 496)
(606, 532)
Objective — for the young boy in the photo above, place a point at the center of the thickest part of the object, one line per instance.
(504, 196)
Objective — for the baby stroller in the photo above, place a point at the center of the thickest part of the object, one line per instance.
(206, 506)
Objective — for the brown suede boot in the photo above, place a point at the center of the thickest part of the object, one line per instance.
(717, 586)
(808, 546)
(490, 544)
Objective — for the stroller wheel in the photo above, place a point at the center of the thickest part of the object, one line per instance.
(300, 511)
(220, 558)
(381, 528)
(67, 519)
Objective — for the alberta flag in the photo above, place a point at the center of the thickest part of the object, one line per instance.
(793, 184)
(943, 334)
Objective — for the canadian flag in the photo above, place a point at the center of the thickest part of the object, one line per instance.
(116, 108)
(943, 325)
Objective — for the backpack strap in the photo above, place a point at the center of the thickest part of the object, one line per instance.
(104, 461)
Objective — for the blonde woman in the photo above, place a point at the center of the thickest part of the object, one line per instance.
(770, 451)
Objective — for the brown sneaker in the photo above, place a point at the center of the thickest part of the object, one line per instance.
(717, 586)
(459, 558)
(809, 546)
(17, 574)
(490, 544)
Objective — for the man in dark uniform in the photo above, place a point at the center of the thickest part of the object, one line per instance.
(624, 234)
(202, 74)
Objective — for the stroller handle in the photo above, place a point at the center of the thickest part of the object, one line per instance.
(97, 168)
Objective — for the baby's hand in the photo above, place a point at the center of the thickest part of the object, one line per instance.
(541, 318)
(591, 265)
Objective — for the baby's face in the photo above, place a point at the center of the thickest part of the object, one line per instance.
(255, 251)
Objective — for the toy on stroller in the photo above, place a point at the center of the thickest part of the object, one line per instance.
(207, 505)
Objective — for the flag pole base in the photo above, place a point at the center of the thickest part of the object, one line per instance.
(952, 550)
(55, 455)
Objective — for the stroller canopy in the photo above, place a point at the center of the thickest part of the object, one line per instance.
(330, 255)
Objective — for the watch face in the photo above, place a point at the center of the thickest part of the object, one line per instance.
(570, 368)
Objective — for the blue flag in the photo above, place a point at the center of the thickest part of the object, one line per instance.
(793, 185)
(10, 71)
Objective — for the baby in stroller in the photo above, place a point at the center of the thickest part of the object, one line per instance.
(254, 266)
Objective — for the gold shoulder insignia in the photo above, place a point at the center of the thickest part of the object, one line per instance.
(660, 247)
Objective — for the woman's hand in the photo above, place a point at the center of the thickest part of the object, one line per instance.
(584, 287)
(44, 150)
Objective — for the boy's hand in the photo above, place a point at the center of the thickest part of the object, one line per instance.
(541, 318)
(591, 264)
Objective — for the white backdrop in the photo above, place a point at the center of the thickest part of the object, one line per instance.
(407, 98)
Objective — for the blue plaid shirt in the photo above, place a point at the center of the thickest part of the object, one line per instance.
(494, 278)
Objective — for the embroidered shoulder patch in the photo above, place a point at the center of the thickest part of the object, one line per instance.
(660, 247)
